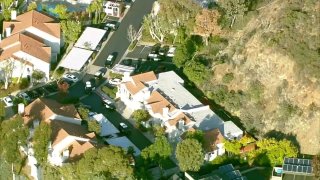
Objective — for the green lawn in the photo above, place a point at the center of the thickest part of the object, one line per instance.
(261, 174)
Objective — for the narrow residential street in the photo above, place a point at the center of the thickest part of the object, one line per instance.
(119, 42)
(96, 104)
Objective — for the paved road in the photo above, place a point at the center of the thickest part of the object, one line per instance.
(95, 101)
(118, 42)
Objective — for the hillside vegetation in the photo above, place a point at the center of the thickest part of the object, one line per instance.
(260, 61)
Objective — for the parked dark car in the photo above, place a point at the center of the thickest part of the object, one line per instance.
(110, 59)
(101, 73)
(90, 85)
(127, 62)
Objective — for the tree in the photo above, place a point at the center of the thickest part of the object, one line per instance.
(41, 139)
(131, 33)
(196, 72)
(62, 11)
(168, 16)
(233, 9)
(141, 115)
(97, 7)
(158, 130)
(38, 75)
(275, 151)
(84, 113)
(189, 154)
(13, 134)
(184, 52)
(108, 162)
(32, 6)
(233, 146)
(94, 126)
(157, 152)
(207, 24)
(71, 30)
(2, 110)
(197, 135)
(7, 68)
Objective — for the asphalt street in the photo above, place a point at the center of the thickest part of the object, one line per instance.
(96, 104)
(118, 42)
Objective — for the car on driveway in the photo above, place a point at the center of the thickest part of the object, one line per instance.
(113, 25)
(100, 73)
(70, 77)
(127, 62)
(24, 96)
(171, 51)
(114, 81)
(110, 59)
(109, 104)
(163, 50)
(8, 101)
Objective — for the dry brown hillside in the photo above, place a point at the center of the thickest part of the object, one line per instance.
(275, 64)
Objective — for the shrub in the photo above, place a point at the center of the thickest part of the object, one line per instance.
(227, 78)
(94, 126)
(110, 91)
(58, 72)
(24, 83)
(115, 75)
(141, 115)
(196, 72)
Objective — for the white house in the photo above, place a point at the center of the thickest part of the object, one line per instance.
(213, 144)
(69, 139)
(113, 8)
(32, 40)
(169, 103)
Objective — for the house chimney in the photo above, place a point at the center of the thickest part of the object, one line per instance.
(165, 112)
(14, 15)
(20, 108)
(8, 31)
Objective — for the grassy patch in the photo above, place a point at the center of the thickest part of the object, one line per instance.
(110, 91)
(115, 75)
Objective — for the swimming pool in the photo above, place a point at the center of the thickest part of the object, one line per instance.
(50, 5)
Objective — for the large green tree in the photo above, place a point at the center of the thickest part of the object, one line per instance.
(41, 138)
(189, 154)
(13, 134)
(71, 30)
(273, 151)
(197, 135)
(141, 115)
(196, 72)
(233, 9)
(94, 126)
(158, 151)
(107, 163)
(168, 16)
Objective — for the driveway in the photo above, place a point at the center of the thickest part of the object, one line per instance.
(118, 42)
(139, 52)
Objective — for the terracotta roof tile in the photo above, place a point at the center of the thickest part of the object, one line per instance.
(138, 81)
(43, 108)
(211, 139)
(78, 148)
(158, 102)
(27, 44)
(34, 19)
(61, 130)
(181, 116)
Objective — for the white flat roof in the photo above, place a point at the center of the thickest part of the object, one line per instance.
(206, 119)
(123, 142)
(90, 38)
(76, 58)
(172, 86)
(107, 127)
(118, 68)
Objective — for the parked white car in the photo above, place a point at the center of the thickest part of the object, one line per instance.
(171, 51)
(70, 77)
(114, 81)
(8, 101)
